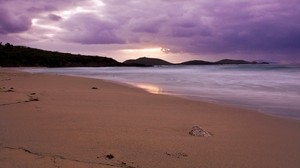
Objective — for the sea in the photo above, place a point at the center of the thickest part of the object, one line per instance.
(272, 89)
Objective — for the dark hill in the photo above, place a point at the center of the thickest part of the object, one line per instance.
(229, 61)
(146, 61)
(196, 62)
(19, 56)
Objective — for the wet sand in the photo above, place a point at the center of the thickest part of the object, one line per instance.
(58, 121)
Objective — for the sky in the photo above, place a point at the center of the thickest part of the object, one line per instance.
(174, 30)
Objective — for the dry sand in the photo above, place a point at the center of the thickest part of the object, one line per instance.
(57, 121)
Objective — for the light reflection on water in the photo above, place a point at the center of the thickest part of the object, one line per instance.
(150, 88)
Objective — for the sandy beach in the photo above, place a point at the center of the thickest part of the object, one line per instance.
(65, 122)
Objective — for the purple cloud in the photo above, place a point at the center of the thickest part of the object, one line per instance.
(54, 17)
(259, 28)
(41, 9)
(13, 24)
(90, 29)
(253, 27)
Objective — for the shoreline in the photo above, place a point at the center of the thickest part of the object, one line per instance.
(265, 99)
(191, 98)
(73, 125)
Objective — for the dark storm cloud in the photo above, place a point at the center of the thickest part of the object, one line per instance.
(270, 27)
(13, 24)
(54, 17)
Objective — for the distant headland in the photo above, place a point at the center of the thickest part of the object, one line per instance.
(21, 56)
(144, 61)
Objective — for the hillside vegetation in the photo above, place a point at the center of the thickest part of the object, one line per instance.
(19, 56)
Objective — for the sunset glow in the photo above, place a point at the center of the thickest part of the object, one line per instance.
(143, 50)
(35, 23)
(148, 52)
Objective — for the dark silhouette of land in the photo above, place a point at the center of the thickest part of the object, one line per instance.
(196, 62)
(144, 61)
(20, 56)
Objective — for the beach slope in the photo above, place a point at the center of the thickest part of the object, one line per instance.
(58, 121)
